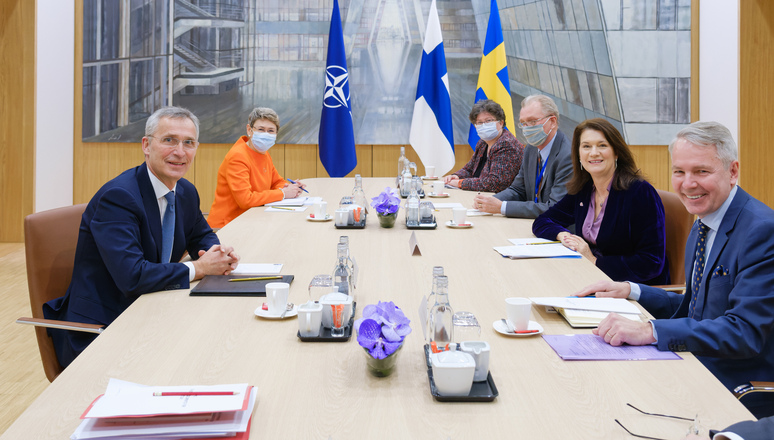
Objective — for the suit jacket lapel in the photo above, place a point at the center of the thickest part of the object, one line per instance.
(151, 205)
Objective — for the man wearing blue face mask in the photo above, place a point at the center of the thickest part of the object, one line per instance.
(498, 154)
(247, 176)
(546, 169)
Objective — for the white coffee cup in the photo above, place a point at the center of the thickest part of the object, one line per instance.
(438, 187)
(518, 310)
(277, 297)
(342, 217)
(320, 209)
(459, 215)
(480, 352)
(309, 319)
(430, 170)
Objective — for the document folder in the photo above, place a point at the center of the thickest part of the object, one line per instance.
(219, 285)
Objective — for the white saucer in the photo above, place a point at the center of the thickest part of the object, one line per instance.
(500, 327)
(259, 312)
(430, 178)
(328, 217)
(451, 224)
(442, 195)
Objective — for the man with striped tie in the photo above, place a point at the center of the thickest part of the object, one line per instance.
(726, 317)
(134, 232)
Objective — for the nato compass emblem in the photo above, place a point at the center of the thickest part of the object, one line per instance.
(336, 87)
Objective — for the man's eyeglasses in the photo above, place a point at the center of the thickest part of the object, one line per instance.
(695, 428)
(172, 142)
(532, 122)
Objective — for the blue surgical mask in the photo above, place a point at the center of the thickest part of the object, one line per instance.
(487, 131)
(263, 141)
(535, 135)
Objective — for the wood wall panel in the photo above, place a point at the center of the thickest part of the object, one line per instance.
(756, 106)
(17, 116)
(653, 161)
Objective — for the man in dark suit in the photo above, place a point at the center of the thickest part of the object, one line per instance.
(546, 167)
(763, 429)
(726, 317)
(134, 232)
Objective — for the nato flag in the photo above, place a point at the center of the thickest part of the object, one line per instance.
(337, 137)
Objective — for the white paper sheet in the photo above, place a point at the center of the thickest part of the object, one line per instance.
(286, 209)
(257, 269)
(477, 213)
(538, 251)
(618, 305)
(447, 205)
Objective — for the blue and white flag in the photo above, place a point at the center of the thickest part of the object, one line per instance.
(431, 134)
(493, 80)
(337, 136)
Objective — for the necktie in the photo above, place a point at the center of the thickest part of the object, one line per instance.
(698, 270)
(168, 228)
(538, 176)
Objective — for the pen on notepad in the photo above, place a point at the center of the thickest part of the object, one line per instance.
(545, 242)
(282, 207)
(277, 277)
(196, 393)
(294, 182)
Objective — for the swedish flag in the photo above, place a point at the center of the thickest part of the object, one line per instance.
(493, 75)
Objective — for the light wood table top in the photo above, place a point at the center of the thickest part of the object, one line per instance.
(323, 390)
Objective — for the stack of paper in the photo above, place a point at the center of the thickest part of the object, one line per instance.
(589, 311)
(535, 248)
(129, 410)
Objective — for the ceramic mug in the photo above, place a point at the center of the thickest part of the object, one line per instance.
(309, 319)
(277, 297)
(430, 171)
(438, 187)
(518, 310)
(321, 210)
(459, 215)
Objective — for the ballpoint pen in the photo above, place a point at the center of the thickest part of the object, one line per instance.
(282, 207)
(295, 183)
(277, 277)
(196, 393)
(544, 242)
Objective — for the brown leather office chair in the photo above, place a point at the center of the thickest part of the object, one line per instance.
(678, 222)
(50, 238)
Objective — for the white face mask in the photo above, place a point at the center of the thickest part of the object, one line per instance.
(487, 131)
(263, 141)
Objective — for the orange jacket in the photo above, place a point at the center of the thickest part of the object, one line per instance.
(246, 178)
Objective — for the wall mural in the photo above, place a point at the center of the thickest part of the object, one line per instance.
(625, 60)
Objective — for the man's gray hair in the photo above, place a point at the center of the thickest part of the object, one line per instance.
(710, 134)
(169, 112)
(547, 105)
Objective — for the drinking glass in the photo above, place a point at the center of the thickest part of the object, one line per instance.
(338, 320)
(319, 286)
(466, 327)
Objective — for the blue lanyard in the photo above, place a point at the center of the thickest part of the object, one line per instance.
(539, 179)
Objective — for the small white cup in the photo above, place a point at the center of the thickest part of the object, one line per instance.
(335, 298)
(430, 170)
(518, 310)
(438, 187)
(277, 297)
(342, 217)
(309, 319)
(320, 209)
(480, 352)
(459, 215)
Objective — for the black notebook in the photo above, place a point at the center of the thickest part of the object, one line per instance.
(219, 285)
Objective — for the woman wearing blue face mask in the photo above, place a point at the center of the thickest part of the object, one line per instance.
(498, 154)
(247, 177)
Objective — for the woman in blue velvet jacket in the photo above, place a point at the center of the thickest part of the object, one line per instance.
(618, 216)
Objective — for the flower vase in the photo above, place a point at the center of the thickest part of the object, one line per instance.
(387, 220)
(382, 367)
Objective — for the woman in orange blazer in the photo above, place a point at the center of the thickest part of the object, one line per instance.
(247, 176)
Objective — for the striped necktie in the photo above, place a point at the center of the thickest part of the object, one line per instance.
(698, 270)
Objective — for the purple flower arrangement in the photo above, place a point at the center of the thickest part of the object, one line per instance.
(387, 202)
(382, 329)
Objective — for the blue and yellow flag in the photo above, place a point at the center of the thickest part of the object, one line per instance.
(493, 75)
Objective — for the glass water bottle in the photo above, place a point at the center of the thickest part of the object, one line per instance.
(442, 315)
(342, 276)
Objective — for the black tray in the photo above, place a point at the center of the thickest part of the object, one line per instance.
(421, 194)
(325, 333)
(432, 225)
(484, 391)
(360, 225)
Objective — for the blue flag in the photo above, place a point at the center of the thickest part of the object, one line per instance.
(431, 134)
(337, 136)
(493, 75)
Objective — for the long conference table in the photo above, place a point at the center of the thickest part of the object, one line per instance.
(324, 391)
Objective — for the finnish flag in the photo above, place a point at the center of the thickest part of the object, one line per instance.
(432, 135)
